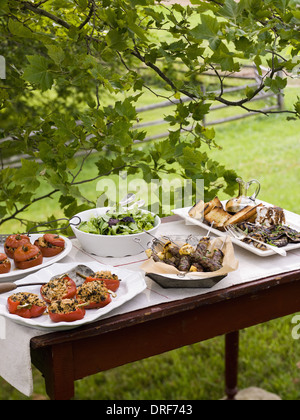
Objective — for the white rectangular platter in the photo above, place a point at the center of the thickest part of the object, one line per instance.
(132, 283)
(292, 220)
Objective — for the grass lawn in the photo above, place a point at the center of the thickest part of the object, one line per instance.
(264, 148)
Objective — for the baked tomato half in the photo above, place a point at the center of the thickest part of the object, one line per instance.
(50, 244)
(13, 242)
(110, 284)
(26, 305)
(66, 310)
(5, 264)
(27, 256)
(93, 295)
(59, 288)
(111, 281)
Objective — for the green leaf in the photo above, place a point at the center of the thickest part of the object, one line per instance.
(277, 84)
(18, 29)
(104, 165)
(3, 211)
(83, 4)
(37, 72)
(56, 53)
(250, 92)
(138, 31)
(224, 57)
(199, 110)
(230, 9)
(116, 40)
(27, 175)
(208, 30)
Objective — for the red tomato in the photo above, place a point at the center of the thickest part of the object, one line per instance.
(66, 310)
(97, 305)
(55, 240)
(50, 245)
(71, 292)
(13, 242)
(32, 311)
(5, 264)
(68, 317)
(28, 256)
(111, 284)
(93, 295)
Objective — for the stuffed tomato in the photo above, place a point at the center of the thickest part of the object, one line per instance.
(50, 245)
(66, 310)
(59, 288)
(26, 305)
(110, 280)
(13, 242)
(27, 256)
(93, 295)
(5, 264)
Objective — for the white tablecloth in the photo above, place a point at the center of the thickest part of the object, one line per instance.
(15, 362)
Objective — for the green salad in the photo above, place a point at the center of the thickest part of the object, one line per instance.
(114, 223)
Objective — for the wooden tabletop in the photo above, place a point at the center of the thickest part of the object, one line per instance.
(66, 356)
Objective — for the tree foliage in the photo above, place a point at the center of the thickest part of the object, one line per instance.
(63, 55)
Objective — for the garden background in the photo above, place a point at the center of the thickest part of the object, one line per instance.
(263, 147)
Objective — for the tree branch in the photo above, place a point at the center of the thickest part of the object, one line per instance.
(43, 12)
(18, 211)
(136, 53)
(89, 17)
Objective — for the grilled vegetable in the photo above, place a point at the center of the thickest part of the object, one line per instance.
(186, 249)
(277, 235)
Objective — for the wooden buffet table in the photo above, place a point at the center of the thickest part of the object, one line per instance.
(64, 357)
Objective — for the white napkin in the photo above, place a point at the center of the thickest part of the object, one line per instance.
(15, 351)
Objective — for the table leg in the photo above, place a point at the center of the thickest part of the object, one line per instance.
(56, 365)
(231, 364)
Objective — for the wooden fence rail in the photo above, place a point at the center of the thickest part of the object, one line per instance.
(15, 161)
(261, 97)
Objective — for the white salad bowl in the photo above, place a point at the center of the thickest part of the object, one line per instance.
(116, 245)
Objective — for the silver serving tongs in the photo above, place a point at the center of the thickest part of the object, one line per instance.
(32, 231)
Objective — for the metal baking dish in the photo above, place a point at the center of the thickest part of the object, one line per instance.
(168, 282)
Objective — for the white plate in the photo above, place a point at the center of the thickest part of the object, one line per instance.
(132, 284)
(15, 273)
(292, 220)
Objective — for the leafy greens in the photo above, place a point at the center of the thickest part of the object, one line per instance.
(115, 223)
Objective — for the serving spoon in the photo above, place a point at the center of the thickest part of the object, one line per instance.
(76, 274)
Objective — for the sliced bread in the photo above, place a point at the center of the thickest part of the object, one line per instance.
(245, 215)
(217, 217)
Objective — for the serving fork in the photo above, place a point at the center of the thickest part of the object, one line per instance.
(237, 233)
